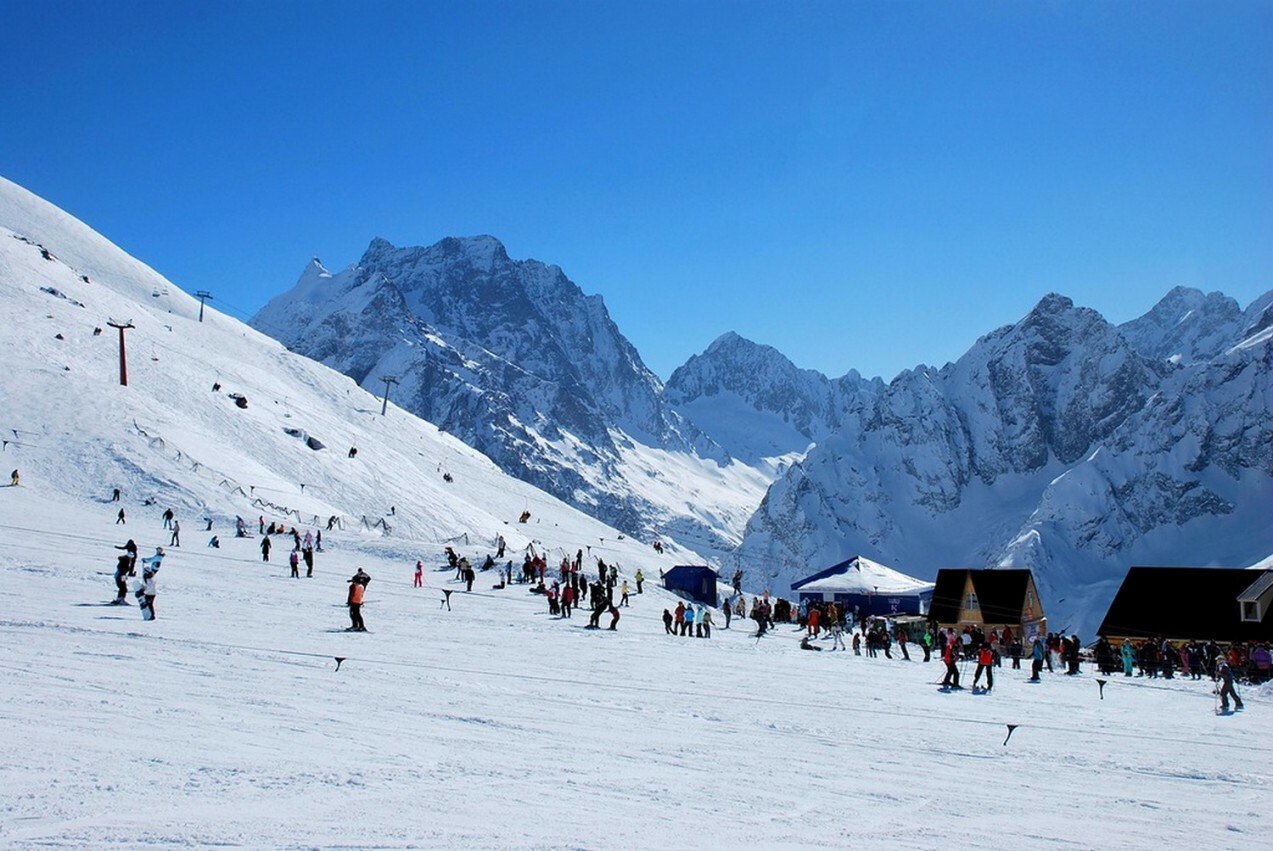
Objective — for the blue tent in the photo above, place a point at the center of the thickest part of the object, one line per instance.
(696, 581)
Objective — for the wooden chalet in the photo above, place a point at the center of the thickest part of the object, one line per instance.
(989, 599)
(1192, 603)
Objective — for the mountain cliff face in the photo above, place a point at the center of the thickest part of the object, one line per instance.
(760, 406)
(514, 359)
(1060, 443)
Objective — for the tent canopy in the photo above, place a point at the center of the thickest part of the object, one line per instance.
(860, 575)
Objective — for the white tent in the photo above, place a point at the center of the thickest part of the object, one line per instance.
(868, 585)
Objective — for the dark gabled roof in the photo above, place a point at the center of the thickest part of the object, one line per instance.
(1000, 594)
(689, 570)
(1184, 603)
(948, 593)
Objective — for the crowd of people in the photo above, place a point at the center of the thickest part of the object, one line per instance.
(1161, 657)
(569, 585)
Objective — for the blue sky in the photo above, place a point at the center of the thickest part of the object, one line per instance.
(860, 185)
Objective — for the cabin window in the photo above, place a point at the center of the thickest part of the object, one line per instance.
(1251, 610)
(970, 602)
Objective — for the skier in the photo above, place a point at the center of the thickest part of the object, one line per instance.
(640, 579)
(307, 553)
(294, 560)
(614, 621)
(168, 515)
(837, 636)
(1037, 655)
(14, 478)
(176, 534)
(623, 593)
(950, 656)
(265, 548)
(1224, 680)
(419, 574)
(728, 612)
(119, 518)
(985, 662)
(500, 544)
(707, 622)
(356, 591)
(1128, 656)
(115, 495)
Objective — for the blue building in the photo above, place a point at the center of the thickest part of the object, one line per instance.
(695, 581)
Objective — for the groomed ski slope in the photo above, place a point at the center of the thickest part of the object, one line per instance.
(225, 722)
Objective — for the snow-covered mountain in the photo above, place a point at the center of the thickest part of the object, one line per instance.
(512, 357)
(1060, 443)
(760, 406)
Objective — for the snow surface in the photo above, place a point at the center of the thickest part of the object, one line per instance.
(225, 722)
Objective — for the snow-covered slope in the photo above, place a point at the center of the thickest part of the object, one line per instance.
(171, 437)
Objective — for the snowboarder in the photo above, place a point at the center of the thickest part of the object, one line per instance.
(146, 594)
(499, 547)
(667, 623)
(130, 550)
(152, 563)
(115, 495)
(1128, 655)
(168, 515)
(805, 645)
(640, 579)
(265, 548)
(214, 542)
(122, 568)
(728, 613)
(14, 478)
(119, 518)
(614, 621)
(623, 593)
(419, 574)
(294, 561)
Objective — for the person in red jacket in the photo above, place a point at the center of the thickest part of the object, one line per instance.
(985, 662)
(949, 655)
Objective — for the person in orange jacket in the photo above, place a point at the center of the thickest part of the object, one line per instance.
(357, 587)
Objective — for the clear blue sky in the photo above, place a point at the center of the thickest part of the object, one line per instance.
(866, 185)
